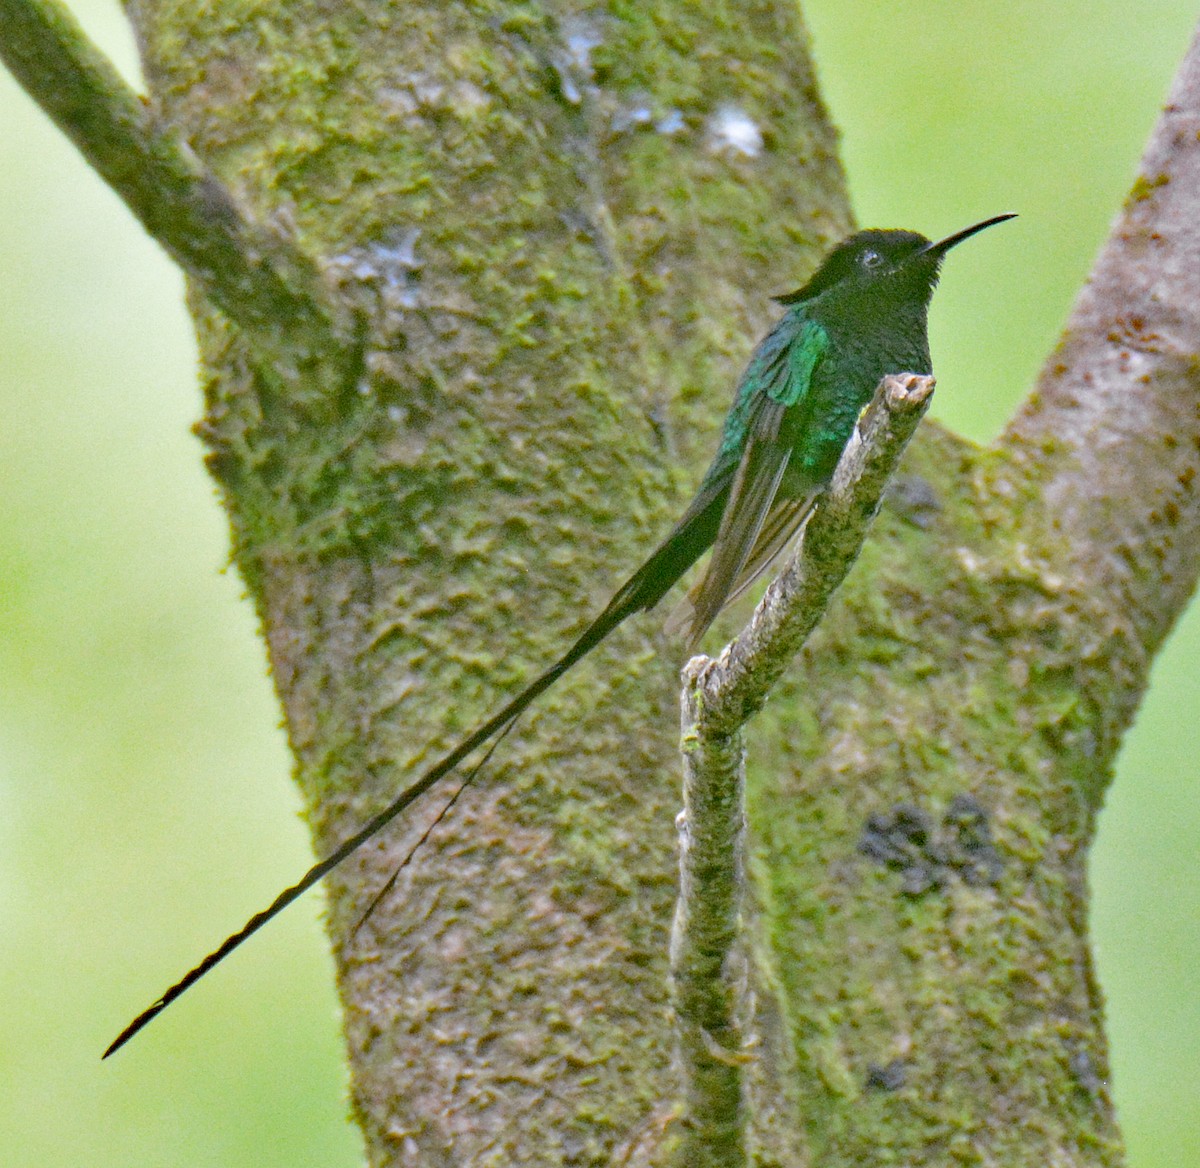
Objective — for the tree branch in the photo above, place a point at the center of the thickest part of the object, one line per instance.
(1112, 432)
(718, 698)
(260, 281)
(708, 982)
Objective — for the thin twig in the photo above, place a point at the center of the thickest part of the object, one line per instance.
(707, 972)
(257, 279)
(707, 967)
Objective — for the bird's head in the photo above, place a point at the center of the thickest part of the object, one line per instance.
(904, 260)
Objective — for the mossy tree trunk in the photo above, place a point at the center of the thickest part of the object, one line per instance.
(555, 226)
(558, 227)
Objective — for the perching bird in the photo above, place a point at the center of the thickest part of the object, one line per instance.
(861, 316)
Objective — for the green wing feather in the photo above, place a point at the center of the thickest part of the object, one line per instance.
(755, 524)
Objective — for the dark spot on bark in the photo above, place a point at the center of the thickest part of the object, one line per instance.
(913, 822)
(901, 841)
(921, 877)
(886, 1077)
(929, 855)
(967, 834)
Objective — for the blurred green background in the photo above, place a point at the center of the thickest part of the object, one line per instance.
(144, 800)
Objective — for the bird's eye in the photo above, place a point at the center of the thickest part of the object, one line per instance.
(871, 259)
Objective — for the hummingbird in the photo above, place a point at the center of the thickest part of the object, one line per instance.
(862, 315)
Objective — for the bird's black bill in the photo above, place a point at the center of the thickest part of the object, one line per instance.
(944, 245)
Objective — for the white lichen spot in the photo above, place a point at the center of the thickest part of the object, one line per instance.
(629, 117)
(580, 44)
(389, 265)
(573, 62)
(671, 122)
(398, 102)
(405, 296)
(468, 98)
(423, 91)
(427, 89)
(400, 251)
(733, 131)
(970, 563)
(570, 90)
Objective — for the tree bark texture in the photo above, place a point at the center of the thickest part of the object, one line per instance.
(557, 226)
